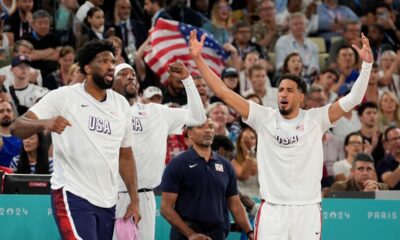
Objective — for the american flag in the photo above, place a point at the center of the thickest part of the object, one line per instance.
(169, 42)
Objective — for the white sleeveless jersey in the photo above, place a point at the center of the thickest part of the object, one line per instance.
(86, 155)
(289, 154)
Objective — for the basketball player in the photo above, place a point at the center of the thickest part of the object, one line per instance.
(289, 151)
(92, 138)
(152, 123)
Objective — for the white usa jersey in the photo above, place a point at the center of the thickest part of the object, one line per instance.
(289, 154)
(87, 152)
(151, 124)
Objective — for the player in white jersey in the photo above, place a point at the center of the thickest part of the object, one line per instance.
(92, 139)
(152, 123)
(289, 149)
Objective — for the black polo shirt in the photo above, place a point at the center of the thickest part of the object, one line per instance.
(388, 164)
(202, 187)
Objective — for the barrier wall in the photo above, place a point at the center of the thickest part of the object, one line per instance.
(30, 217)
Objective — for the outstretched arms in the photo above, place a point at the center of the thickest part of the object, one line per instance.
(213, 81)
(347, 103)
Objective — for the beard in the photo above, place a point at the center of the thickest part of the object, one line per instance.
(129, 94)
(5, 122)
(285, 112)
(101, 82)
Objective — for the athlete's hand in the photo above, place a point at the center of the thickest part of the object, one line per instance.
(132, 211)
(198, 236)
(365, 52)
(178, 70)
(56, 124)
(195, 46)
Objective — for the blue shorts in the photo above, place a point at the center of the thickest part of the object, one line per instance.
(76, 218)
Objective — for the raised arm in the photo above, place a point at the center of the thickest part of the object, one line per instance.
(352, 99)
(213, 81)
(195, 114)
(29, 124)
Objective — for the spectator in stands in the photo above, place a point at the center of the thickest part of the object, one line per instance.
(315, 97)
(83, 10)
(368, 115)
(332, 17)
(117, 43)
(250, 59)
(376, 34)
(346, 62)
(219, 114)
(95, 27)
(362, 178)
(245, 163)
(266, 32)
(389, 111)
(186, 208)
(258, 78)
(389, 167)
(21, 48)
(4, 43)
(10, 146)
(351, 35)
(293, 64)
(20, 22)
(389, 64)
(223, 146)
(75, 75)
(230, 77)
(294, 6)
(59, 77)
(64, 21)
(152, 95)
(242, 39)
(353, 144)
(203, 90)
(45, 43)
(155, 8)
(34, 157)
(132, 33)
(23, 93)
(383, 15)
(173, 92)
(373, 92)
(296, 41)
(327, 78)
(220, 22)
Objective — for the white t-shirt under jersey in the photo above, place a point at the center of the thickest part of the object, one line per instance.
(87, 153)
(289, 154)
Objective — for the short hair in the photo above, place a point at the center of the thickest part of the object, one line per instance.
(22, 43)
(330, 70)
(285, 67)
(254, 95)
(348, 136)
(390, 128)
(296, 15)
(380, 28)
(362, 107)
(362, 157)
(315, 88)
(301, 84)
(240, 24)
(65, 51)
(89, 51)
(197, 77)
(381, 4)
(160, 3)
(214, 105)
(41, 14)
(222, 141)
(350, 22)
(256, 67)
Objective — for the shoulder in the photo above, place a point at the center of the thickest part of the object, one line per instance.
(339, 186)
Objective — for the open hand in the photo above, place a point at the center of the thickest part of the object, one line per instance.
(195, 46)
(365, 52)
(178, 70)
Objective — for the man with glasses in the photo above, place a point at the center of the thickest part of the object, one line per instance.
(363, 177)
(389, 167)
